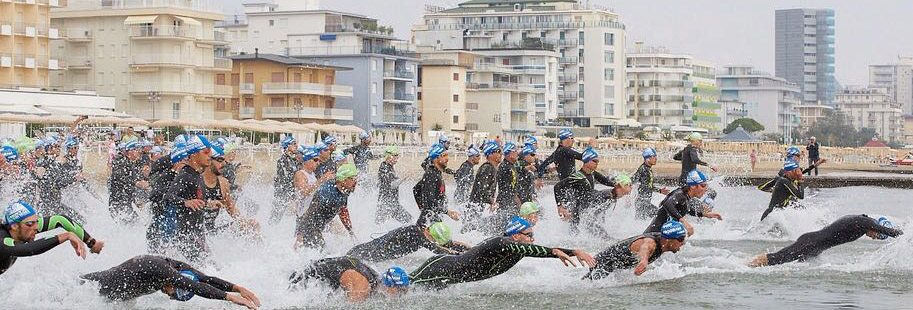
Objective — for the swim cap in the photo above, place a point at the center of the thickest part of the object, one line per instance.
(179, 153)
(622, 179)
(509, 147)
(182, 139)
(439, 232)
(472, 151)
(530, 140)
(696, 177)
(529, 149)
(9, 153)
(516, 225)
(196, 144)
(338, 155)
(792, 151)
(16, 212)
(790, 165)
(436, 151)
(307, 153)
(396, 277)
(24, 145)
(129, 145)
(883, 221)
(565, 134)
(649, 152)
(490, 147)
(443, 139)
(70, 143)
(529, 207)
(345, 172)
(694, 136)
(220, 142)
(590, 155)
(673, 230)
(156, 150)
(320, 146)
(182, 294)
(328, 140)
(288, 140)
(391, 150)
(217, 152)
(364, 136)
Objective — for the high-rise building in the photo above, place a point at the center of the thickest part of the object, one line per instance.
(707, 109)
(589, 83)
(805, 52)
(156, 57)
(897, 78)
(383, 73)
(769, 100)
(872, 108)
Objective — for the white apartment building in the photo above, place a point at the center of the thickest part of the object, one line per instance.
(897, 78)
(707, 109)
(588, 89)
(660, 88)
(872, 108)
(769, 100)
(156, 57)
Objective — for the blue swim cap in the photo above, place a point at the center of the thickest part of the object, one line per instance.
(196, 144)
(338, 155)
(436, 151)
(180, 139)
(530, 140)
(673, 230)
(696, 177)
(443, 139)
(793, 151)
(529, 149)
(790, 165)
(129, 145)
(307, 153)
(364, 135)
(16, 212)
(182, 294)
(71, 143)
(472, 151)
(156, 150)
(220, 142)
(320, 146)
(883, 221)
(589, 155)
(565, 134)
(217, 152)
(516, 225)
(490, 147)
(509, 147)
(396, 277)
(9, 153)
(288, 140)
(179, 153)
(329, 140)
(649, 152)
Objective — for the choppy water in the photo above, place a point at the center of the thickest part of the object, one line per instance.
(708, 273)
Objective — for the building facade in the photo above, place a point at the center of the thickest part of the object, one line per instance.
(661, 88)
(267, 86)
(872, 108)
(769, 100)
(155, 57)
(588, 88)
(707, 110)
(897, 78)
(442, 95)
(805, 52)
(383, 73)
(810, 114)
(26, 34)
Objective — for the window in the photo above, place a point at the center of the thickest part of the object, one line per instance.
(277, 77)
(456, 76)
(609, 39)
(609, 74)
(374, 88)
(456, 119)
(277, 102)
(235, 79)
(100, 51)
(124, 77)
(235, 103)
(609, 57)
(373, 110)
(249, 77)
(374, 65)
(100, 79)
(248, 102)
(456, 98)
(418, 96)
(220, 104)
(609, 91)
(220, 79)
(176, 110)
(272, 22)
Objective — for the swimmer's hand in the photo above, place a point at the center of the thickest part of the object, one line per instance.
(74, 241)
(564, 213)
(97, 247)
(248, 294)
(239, 300)
(585, 258)
(712, 215)
(454, 215)
(641, 268)
(564, 258)
(195, 204)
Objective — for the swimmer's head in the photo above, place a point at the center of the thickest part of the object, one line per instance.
(396, 280)
(673, 236)
(519, 230)
(180, 294)
(883, 221)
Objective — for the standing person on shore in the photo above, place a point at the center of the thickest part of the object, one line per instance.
(564, 156)
(430, 192)
(485, 183)
(388, 205)
(690, 156)
(361, 153)
(464, 176)
(754, 159)
(813, 154)
(645, 188)
(283, 187)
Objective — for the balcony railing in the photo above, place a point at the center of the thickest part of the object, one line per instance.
(6, 60)
(308, 112)
(518, 26)
(77, 34)
(24, 60)
(399, 96)
(247, 88)
(79, 62)
(161, 59)
(519, 108)
(163, 87)
(567, 60)
(398, 118)
(210, 6)
(6, 28)
(246, 112)
(308, 89)
(223, 90)
(222, 63)
(567, 43)
(24, 29)
(567, 78)
(346, 50)
(399, 74)
(179, 32)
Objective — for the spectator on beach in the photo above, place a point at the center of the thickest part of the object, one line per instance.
(754, 159)
(813, 154)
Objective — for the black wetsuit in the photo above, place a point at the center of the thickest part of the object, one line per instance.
(619, 256)
(506, 198)
(526, 188)
(577, 193)
(785, 191)
(675, 206)
(843, 230)
(122, 186)
(190, 233)
(490, 258)
(463, 178)
(50, 186)
(210, 215)
(430, 196)
(769, 185)
(483, 190)
(690, 157)
(329, 271)
(361, 155)
(10, 249)
(164, 222)
(328, 202)
(566, 158)
(645, 188)
(284, 185)
(388, 205)
(813, 156)
(324, 167)
(397, 243)
(230, 172)
(147, 274)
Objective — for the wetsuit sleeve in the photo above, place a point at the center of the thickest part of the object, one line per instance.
(769, 186)
(795, 189)
(208, 287)
(601, 179)
(870, 224)
(528, 250)
(544, 165)
(563, 192)
(349, 151)
(678, 156)
(62, 221)
(216, 282)
(670, 206)
(809, 169)
(11, 247)
(696, 157)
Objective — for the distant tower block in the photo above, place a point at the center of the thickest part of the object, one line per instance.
(298, 5)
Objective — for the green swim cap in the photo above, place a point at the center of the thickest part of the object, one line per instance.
(230, 147)
(346, 172)
(440, 232)
(530, 207)
(391, 150)
(694, 136)
(622, 179)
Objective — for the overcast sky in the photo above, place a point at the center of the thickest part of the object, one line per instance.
(724, 32)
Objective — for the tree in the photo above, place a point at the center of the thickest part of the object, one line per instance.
(750, 125)
(835, 129)
(436, 127)
(550, 134)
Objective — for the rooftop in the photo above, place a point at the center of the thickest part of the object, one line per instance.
(286, 61)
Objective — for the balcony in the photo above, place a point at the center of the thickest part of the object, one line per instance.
(163, 32)
(247, 89)
(706, 105)
(495, 68)
(6, 28)
(218, 38)
(661, 98)
(223, 91)
(526, 26)
(164, 60)
(308, 112)
(528, 44)
(567, 43)
(520, 127)
(163, 88)
(6, 60)
(518, 109)
(77, 35)
(246, 112)
(568, 95)
(571, 78)
(209, 6)
(345, 50)
(220, 64)
(79, 63)
(24, 29)
(401, 75)
(567, 60)
(24, 61)
(399, 97)
(398, 119)
(308, 89)
(501, 86)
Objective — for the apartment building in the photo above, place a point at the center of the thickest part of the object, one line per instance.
(156, 57)
(588, 88)
(661, 88)
(25, 38)
(809, 114)
(768, 99)
(706, 94)
(268, 86)
(897, 78)
(442, 96)
(872, 108)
